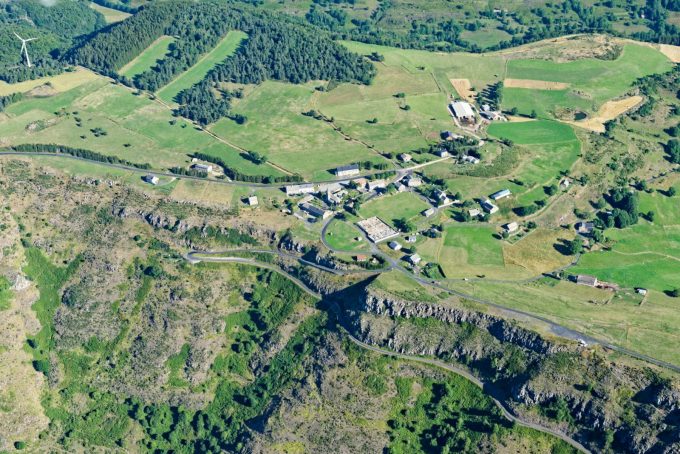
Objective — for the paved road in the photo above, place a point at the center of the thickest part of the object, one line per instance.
(449, 367)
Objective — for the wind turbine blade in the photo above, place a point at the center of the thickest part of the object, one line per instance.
(30, 39)
(15, 34)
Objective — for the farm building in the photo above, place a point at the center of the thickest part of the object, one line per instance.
(347, 171)
(151, 179)
(204, 167)
(360, 258)
(376, 230)
(511, 227)
(641, 291)
(500, 194)
(414, 259)
(584, 228)
(400, 187)
(565, 183)
(405, 157)
(395, 246)
(315, 211)
(488, 206)
(584, 279)
(411, 239)
(299, 189)
(474, 212)
(463, 111)
(376, 184)
(442, 153)
(440, 195)
(251, 201)
(470, 159)
(429, 212)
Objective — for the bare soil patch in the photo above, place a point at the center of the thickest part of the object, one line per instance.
(608, 111)
(535, 84)
(672, 52)
(464, 88)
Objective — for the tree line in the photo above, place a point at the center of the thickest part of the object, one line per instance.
(75, 152)
(238, 176)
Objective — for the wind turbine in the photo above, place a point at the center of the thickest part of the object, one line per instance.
(24, 49)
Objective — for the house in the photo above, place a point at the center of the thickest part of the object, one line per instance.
(411, 239)
(405, 157)
(584, 228)
(414, 259)
(360, 183)
(299, 189)
(442, 153)
(470, 159)
(486, 108)
(565, 183)
(251, 201)
(413, 181)
(641, 291)
(584, 279)
(332, 187)
(500, 194)
(316, 211)
(400, 187)
(488, 206)
(395, 246)
(463, 111)
(511, 227)
(151, 179)
(474, 212)
(334, 198)
(376, 184)
(203, 167)
(440, 195)
(347, 171)
(429, 212)
(360, 258)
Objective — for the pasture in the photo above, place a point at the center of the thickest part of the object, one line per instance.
(390, 208)
(277, 128)
(341, 235)
(148, 58)
(110, 15)
(110, 119)
(592, 81)
(649, 328)
(226, 47)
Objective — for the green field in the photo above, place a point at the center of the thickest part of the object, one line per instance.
(341, 235)
(147, 59)
(390, 208)
(277, 129)
(533, 132)
(196, 73)
(592, 81)
(650, 328)
(137, 129)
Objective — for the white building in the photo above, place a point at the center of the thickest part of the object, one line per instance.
(204, 167)
(462, 111)
(405, 157)
(500, 194)
(376, 184)
(299, 189)
(347, 171)
(414, 259)
(443, 153)
(474, 212)
(488, 206)
(252, 201)
(471, 159)
(511, 227)
(413, 181)
(395, 246)
(429, 212)
(151, 179)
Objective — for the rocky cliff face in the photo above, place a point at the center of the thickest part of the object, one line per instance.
(605, 405)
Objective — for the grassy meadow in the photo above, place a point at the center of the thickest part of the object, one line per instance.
(226, 47)
(295, 142)
(390, 208)
(148, 58)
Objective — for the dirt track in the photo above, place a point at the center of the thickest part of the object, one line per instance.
(535, 84)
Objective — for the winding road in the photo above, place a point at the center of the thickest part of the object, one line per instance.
(196, 256)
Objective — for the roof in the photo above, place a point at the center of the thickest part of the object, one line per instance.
(348, 168)
(395, 245)
(312, 209)
(500, 194)
(585, 279)
(415, 258)
(252, 200)
(462, 109)
(511, 226)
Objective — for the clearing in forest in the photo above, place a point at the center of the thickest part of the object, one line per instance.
(196, 73)
(148, 58)
(61, 82)
(110, 15)
(535, 84)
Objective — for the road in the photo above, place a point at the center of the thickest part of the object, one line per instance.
(192, 257)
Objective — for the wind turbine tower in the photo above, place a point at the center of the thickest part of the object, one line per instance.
(24, 49)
